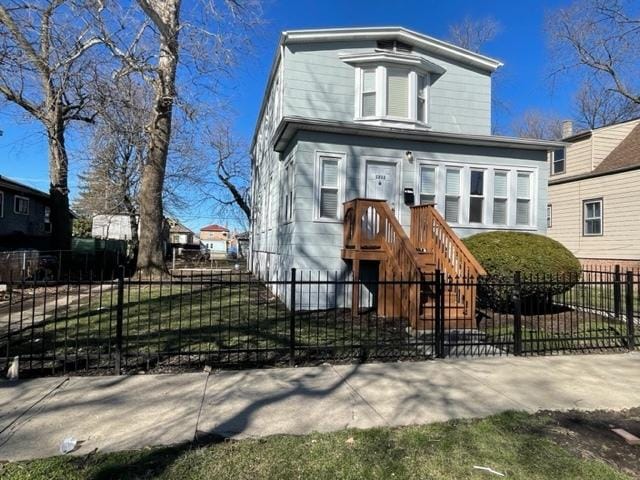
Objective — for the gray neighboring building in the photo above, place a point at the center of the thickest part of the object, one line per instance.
(381, 113)
(24, 216)
(112, 227)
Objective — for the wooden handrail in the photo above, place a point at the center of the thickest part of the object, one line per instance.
(425, 220)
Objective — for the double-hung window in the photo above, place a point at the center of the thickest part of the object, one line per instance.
(47, 219)
(427, 184)
(368, 100)
(21, 205)
(452, 195)
(476, 196)
(500, 197)
(557, 163)
(329, 187)
(549, 215)
(592, 217)
(397, 92)
(421, 104)
(523, 200)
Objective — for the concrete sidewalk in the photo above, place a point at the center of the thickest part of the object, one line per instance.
(128, 412)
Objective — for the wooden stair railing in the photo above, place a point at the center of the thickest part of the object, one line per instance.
(370, 226)
(431, 233)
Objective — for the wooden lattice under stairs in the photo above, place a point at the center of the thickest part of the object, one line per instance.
(409, 263)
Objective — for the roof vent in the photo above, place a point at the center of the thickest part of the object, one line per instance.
(394, 46)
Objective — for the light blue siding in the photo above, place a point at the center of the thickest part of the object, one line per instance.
(318, 84)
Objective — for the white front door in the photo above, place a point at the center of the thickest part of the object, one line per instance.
(381, 182)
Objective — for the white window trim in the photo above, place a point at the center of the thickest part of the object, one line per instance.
(15, 204)
(317, 183)
(529, 198)
(418, 188)
(381, 95)
(465, 167)
(599, 200)
(507, 198)
(553, 162)
(483, 214)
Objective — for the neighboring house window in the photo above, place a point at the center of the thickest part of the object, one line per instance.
(549, 216)
(397, 92)
(452, 195)
(500, 197)
(523, 201)
(476, 196)
(368, 104)
(592, 212)
(1, 204)
(47, 219)
(557, 165)
(21, 205)
(427, 185)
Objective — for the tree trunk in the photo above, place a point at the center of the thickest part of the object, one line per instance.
(151, 251)
(61, 222)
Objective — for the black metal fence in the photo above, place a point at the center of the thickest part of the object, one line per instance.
(233, 320)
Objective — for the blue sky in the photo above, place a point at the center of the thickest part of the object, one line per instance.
(522, 83)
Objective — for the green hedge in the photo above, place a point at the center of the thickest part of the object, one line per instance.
(536, 257)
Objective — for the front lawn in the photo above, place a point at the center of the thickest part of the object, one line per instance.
(516, 444)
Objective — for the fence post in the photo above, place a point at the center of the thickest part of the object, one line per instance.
(631, 342)
(517, 313)
(617, 292)
(292, 320)
(439, 306)
(119, 319)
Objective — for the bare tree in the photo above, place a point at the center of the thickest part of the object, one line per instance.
(599, 38)
(178, 51)
(597, 106)
(117, 149)
(232, 170)
(473, 34)
(46, 57)
(537, 124)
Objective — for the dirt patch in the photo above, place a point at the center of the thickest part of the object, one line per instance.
(589, 435)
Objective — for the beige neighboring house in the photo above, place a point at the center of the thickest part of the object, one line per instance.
(594, 195)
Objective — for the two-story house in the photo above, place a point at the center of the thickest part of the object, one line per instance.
(215, 240)
(594, 195)
(25, 212)
(396, 117)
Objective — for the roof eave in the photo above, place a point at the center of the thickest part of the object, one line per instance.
(290, 125)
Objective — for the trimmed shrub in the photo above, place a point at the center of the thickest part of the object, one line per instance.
(547, 268)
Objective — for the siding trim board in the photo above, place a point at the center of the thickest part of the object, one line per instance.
(584, 176)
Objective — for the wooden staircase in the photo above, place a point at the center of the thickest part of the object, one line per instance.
(407, 264)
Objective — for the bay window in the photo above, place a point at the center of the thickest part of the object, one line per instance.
(368, 100)
(421, 106)
(397, 92)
